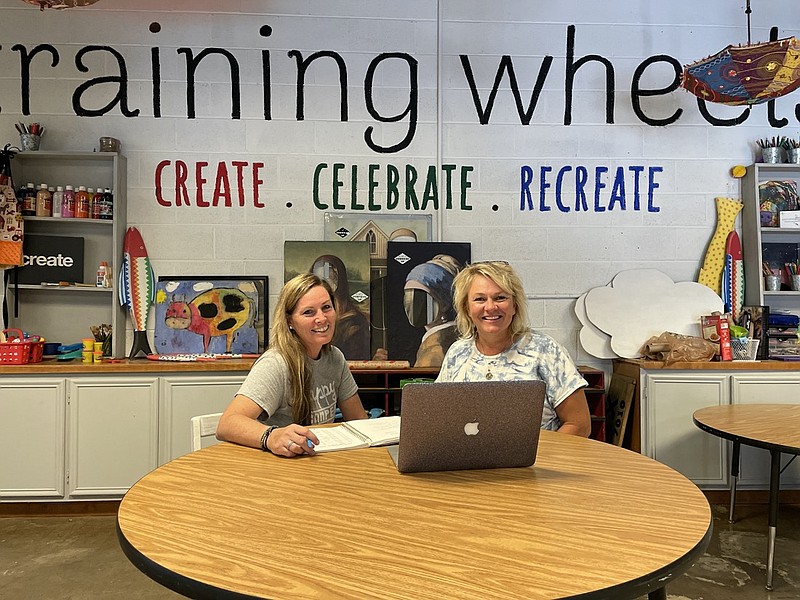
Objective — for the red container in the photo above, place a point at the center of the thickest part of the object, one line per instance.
(18, 352)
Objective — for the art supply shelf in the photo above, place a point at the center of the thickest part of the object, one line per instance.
(775, 245)
(64, 313)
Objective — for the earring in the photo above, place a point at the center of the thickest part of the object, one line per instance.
(291, 328)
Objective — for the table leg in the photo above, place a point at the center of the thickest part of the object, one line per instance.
(774, 487)
(734, 479)
(659, 594)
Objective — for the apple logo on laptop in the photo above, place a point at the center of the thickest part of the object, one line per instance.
(471, 428)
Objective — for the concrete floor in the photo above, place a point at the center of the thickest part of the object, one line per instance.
(79, 558)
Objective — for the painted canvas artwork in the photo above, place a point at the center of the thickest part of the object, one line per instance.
(421, 315)
(211, 315)
(378, 231)
(346, 268)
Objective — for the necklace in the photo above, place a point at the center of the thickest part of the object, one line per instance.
(489, 369)
(491, 362)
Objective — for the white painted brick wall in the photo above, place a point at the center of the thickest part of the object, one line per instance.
(559, 255)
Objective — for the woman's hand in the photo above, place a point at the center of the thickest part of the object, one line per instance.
(292, 440)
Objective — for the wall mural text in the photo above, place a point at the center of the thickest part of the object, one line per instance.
(405, 186)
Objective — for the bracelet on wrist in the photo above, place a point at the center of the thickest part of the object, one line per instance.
(265, 437)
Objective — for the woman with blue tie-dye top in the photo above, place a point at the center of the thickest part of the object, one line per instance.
(497, 343)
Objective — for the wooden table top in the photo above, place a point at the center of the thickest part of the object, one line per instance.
(770, 426)
(587, 519)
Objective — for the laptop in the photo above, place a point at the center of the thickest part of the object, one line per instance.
(451, 426)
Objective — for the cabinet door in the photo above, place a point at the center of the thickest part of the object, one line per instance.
(113, 434)
(765, 388)
(185, 397)
(670, 436)
(32, 438)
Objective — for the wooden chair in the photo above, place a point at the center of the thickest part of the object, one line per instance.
(204, 428)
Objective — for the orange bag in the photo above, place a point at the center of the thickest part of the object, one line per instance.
(11, 229)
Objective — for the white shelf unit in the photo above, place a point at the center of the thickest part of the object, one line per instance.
(64, 314)
(754, 237)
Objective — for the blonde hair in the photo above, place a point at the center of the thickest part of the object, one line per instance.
(506, 279)
(285, 341)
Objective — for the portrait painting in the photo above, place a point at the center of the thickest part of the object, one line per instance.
(378, 231)
(346, 268)
(421, 315)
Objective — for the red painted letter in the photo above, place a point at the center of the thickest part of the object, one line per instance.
(159, 168)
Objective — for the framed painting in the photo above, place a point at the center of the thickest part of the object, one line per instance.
(378, 230)
(211, 315)
(421, 316)
(346, 268)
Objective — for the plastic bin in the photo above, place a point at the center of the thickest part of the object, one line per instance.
(19, 352)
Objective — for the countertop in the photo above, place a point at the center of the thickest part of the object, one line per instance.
(126, 365)
(729, 365)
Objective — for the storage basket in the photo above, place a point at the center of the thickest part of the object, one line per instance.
(19, 352)
(744, 348)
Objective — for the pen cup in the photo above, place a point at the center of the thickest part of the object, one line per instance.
(796, 283)
(772, 283)
(771, 155)
(793, 155)
(29, 141)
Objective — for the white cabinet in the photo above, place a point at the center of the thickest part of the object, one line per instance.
(668, 433)
(64, 314)
(766, 388)
(91, 437)
(32, 438)
(113, 434)
(669, 398)
(181, 398)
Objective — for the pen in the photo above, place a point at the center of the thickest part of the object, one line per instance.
(309, 443)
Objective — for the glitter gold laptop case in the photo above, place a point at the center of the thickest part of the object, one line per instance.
(469, 425)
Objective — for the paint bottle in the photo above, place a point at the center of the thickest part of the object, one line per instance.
(58, 201)
(97, 201)
(90, 191)
(107, 206)
(44, 202)
(102, 274)
(29, 201)
(68, 204)
(82, 203)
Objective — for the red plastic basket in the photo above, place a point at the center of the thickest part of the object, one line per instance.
(18, 352)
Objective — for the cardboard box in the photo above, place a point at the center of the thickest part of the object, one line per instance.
(789, 219)
(51, 258)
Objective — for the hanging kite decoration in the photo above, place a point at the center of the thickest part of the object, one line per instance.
(746, 74)
(749, 74)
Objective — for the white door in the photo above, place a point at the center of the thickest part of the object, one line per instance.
(113, 434)
(184, 397)
(670, 436)
(765, 388)
(32, 438)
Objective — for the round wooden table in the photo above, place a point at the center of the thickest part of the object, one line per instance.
(773, 427)
(588, 520)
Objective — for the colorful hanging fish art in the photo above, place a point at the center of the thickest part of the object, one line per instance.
(137, 288)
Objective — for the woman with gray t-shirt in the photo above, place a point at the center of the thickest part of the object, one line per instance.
(299, 381)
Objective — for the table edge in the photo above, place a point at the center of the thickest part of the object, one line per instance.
(186, 586)
(197, 590)
(742, 439)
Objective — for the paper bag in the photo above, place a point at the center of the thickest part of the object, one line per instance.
(674, 347)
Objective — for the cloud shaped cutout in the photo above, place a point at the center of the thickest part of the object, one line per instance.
(593, 341)
(641, 303)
